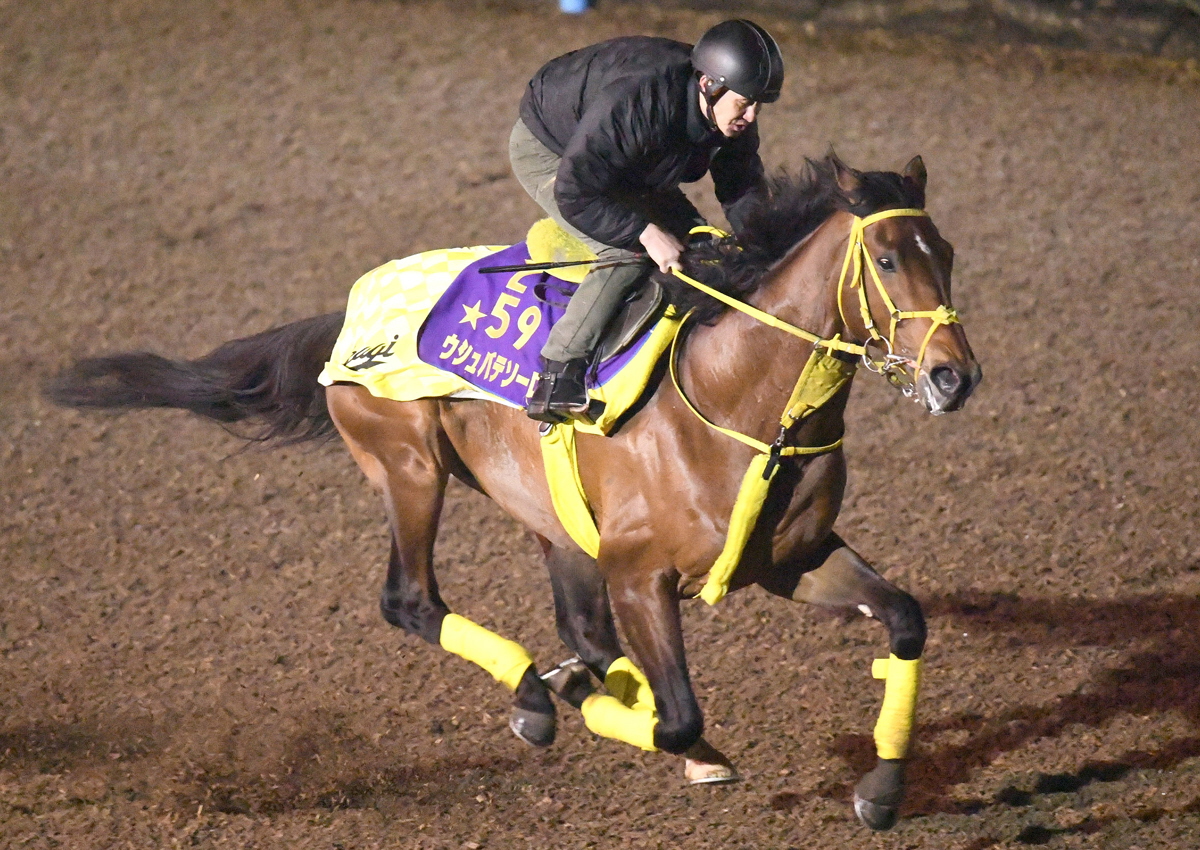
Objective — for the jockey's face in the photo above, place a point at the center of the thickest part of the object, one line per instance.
(733, 113)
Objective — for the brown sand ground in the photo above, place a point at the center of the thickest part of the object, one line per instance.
(190, 650)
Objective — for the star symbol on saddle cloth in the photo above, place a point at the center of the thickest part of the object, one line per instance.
(473, 315)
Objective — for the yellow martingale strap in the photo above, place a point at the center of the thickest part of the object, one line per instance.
(566, 488)
(823, 375)
(894, 728)
(504, 659)
(801, 396)
(627, 712)
(746, 509)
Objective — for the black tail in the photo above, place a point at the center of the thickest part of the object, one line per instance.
(270, 377)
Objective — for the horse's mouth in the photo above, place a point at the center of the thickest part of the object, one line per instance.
(946, 388)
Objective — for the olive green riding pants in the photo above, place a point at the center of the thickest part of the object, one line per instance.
(599, 297)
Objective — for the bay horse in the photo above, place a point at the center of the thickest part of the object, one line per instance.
(836, 262)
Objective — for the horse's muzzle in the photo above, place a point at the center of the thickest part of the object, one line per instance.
(946, 387)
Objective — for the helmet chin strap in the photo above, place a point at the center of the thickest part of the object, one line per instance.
(712, 93)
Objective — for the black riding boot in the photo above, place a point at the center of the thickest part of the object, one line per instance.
(560, 393)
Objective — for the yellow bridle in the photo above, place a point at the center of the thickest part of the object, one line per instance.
(823, 377)
(858, 257)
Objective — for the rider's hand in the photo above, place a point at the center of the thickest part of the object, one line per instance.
(664, 249)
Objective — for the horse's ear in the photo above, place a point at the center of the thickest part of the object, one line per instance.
(914, 175)
(848, 180)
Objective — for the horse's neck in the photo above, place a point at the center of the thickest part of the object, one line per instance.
(744, 371)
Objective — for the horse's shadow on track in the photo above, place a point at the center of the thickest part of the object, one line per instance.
(1162, 676)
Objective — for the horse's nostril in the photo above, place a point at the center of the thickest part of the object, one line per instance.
(946, 380)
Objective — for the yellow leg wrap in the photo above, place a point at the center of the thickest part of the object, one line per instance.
(628, 714)
(504, 659)
(894, 728)
(609, 718)
(629, 685)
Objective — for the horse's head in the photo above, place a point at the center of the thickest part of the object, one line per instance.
(894, 288)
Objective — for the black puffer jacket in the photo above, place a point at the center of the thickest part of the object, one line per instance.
(625, 117)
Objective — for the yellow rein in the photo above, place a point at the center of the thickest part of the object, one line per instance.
(857, 257)
(797, 409)
(822, 377)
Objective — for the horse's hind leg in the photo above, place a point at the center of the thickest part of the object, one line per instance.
(403, 452)
(581, 609)
(843, 580)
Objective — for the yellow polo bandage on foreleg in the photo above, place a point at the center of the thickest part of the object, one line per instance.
(629, 684)
(628, 714)
(609, 718)
(504, 659)
(894, 728)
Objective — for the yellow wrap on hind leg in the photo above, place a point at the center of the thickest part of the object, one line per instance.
(506, 660)
(627, 712)
(894, 728)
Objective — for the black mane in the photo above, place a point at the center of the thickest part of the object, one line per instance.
(793, 207)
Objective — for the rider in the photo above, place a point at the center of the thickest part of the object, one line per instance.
(605, 136)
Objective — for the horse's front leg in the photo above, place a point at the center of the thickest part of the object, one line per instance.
(838, 578)
(647, 604)
(585, 625)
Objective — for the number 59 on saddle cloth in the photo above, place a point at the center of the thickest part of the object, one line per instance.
(433, 326)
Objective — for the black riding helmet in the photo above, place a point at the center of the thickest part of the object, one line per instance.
(740, 55)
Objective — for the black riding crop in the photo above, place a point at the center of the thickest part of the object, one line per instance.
(538, 267)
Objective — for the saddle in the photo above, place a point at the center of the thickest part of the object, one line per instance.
(434, 326)
(549, 243)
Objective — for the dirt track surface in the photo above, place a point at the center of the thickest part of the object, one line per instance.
(190, 649)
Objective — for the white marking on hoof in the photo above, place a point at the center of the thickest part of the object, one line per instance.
(703, 773)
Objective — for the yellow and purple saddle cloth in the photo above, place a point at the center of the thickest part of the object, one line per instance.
(433, 326)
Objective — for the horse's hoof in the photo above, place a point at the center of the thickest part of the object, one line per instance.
(704, 764)
(878, 794)
(533, 728)
(703, 773)
(571, 681)
(876, 817)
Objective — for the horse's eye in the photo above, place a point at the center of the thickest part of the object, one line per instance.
(886, 264)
